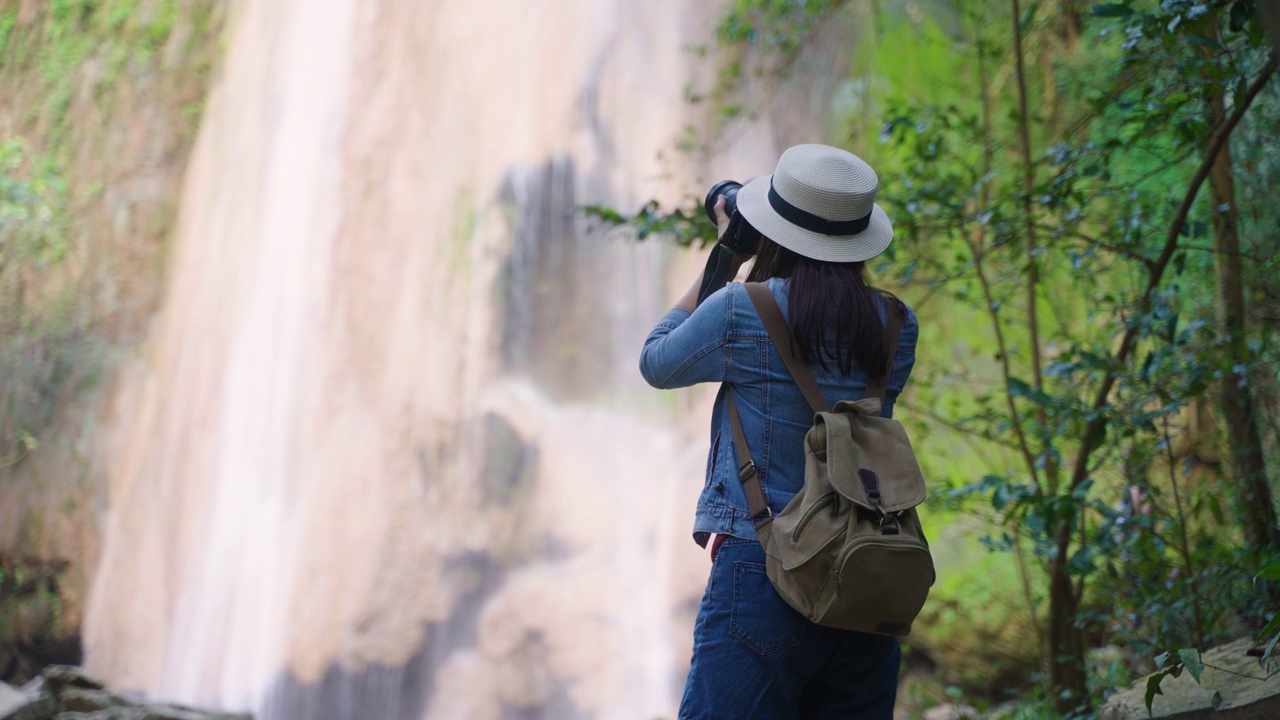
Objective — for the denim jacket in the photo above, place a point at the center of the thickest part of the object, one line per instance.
(724, 341)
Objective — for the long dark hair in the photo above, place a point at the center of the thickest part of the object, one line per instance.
(829, 295)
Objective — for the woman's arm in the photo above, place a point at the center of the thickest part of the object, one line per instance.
(904, 359)
(689, 301)
(688, 346)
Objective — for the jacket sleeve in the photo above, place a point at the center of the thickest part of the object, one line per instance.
(904, 359)
(687, 348)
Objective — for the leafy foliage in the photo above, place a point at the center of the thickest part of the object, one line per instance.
(32, 210)
(777, 25)
(1044, 181)
(1095, 214)
(686, 226)
(33, 222)
(96, 92)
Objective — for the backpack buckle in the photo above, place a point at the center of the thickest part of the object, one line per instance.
(889, 524)
(745, 473)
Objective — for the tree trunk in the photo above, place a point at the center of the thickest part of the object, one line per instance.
(1247, 461)
(1066, 639)
(1069, 23)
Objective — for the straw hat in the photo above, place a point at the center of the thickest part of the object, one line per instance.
(821, 203)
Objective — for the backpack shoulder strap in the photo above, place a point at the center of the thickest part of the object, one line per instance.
(780, 333)
(756, 504)
(771, 315)
(877, 387)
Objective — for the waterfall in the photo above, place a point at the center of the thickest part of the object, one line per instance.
(385, 454)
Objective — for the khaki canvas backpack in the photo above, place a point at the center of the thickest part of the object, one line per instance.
(848, 551)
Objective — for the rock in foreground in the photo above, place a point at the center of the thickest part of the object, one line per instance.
(63, 692)
(1233, 689)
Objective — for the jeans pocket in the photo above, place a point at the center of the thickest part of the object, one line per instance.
(761, 619)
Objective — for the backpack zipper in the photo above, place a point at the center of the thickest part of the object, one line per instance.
(875, 540)
(821, 503)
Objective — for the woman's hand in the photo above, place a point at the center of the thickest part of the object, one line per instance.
(726, 225)
(722, 217)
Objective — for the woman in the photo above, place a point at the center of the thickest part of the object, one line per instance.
(753, 656)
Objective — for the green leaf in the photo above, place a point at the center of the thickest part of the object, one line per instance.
(1093, 360)
(1006, 493)
(1061, 369)
(1153, 687)
(1112, 10)
(1161, 659)
(1081, 562)
(1270, 572)
(1081, 491)
(1206, 42)
(1019, 388)
(1000, 498)
(1028, 17)
(1241, 12)
(1270, 647)
(1215, 507)
(1145, 372)
(1191, 660)
(1271, 626)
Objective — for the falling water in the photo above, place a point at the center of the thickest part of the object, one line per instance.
(386, 455)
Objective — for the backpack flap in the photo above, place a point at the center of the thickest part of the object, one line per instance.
(869, 458)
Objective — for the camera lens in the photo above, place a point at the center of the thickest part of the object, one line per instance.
(729, 189)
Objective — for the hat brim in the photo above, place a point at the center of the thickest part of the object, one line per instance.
(753, 203)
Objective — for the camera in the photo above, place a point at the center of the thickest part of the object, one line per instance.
(728, 188)
(739, 237)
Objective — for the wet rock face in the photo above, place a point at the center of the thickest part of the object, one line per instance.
(63, 692)
(557, 282)
(510, 462)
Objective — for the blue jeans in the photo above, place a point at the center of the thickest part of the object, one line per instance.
(755, 657)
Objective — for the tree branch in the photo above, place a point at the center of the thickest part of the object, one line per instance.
(1028, 218)
(955, 426)
(977, 245)
(1093, 430)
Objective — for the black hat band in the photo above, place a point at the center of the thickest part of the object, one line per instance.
(815, 223)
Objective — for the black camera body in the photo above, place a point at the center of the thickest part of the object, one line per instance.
(729, 189)
(740, 237)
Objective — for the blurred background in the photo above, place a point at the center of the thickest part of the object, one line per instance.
(319, 322)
